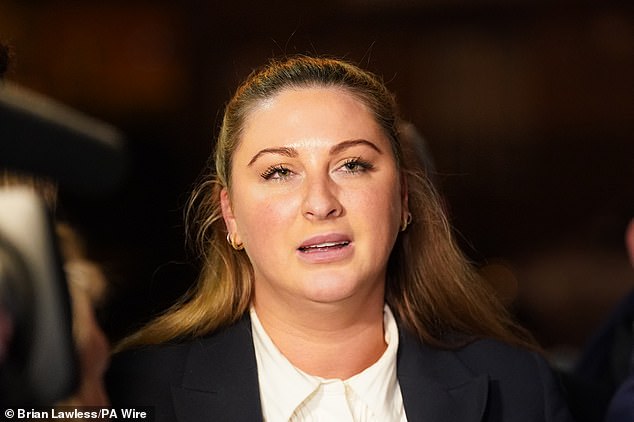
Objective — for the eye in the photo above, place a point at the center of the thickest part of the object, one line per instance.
(356, 165)
(277, 172)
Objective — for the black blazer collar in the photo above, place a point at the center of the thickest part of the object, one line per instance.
(220, 382)
(436, 385)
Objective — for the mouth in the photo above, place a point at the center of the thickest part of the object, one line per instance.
(323, 246)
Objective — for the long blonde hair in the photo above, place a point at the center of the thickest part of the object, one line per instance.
(432, 289)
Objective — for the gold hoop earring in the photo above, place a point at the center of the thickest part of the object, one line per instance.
(406, 221)
(236, 246)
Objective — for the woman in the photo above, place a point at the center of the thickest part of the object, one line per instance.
(331, 287)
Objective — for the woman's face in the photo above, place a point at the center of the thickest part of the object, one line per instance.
(315, 198)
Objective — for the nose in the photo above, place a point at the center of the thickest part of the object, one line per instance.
(320, 199)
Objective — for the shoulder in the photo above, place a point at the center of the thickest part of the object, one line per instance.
(517, 384)
(139, 376)
(512, 367)
(518, 379)
(493, 357)
(146, 375)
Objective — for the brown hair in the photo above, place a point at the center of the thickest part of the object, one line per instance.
(432, 289)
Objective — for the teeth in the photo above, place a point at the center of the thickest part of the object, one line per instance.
(324, 245)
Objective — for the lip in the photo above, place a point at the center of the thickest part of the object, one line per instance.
(325, 248)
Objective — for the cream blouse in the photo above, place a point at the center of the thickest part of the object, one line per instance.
(289, 394)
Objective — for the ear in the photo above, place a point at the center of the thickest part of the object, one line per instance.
(227, 213)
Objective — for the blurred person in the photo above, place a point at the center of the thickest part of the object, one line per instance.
(601, 386)
(86, 285)
(621, 407)
(331, 288)
(6, 324)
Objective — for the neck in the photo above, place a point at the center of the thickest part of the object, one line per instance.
(326, 340)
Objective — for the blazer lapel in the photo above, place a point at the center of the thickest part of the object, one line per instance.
(220, 382)
(436, 386)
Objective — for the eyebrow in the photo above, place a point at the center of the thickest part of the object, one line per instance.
(286, 151)
(292, 152)
(351, 143)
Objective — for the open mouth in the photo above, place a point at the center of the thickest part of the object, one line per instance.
(322, 247)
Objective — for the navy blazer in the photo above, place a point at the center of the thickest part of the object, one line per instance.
(214, 378)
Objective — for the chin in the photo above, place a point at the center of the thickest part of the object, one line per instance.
(331, 289)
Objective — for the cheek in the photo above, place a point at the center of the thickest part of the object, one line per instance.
(262, 218)
(379, 207)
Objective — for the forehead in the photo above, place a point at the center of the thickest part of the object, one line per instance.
(328, 113)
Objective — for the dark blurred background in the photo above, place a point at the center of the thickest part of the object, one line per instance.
(527, 108)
